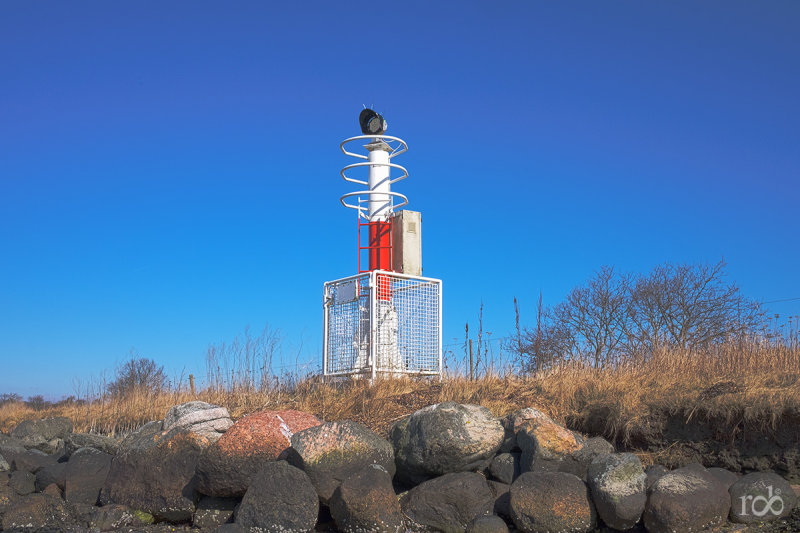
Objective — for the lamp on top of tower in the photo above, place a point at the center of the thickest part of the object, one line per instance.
(371, 122)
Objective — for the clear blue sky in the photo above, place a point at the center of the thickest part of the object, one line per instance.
(169, 170)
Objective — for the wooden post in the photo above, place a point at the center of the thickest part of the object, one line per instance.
(191, 383)
(471, 367)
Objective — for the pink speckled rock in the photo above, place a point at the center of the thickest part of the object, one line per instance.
(227, 467)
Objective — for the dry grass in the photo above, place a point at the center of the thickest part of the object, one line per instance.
(733, 385)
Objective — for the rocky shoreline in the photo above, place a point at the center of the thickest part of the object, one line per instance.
(447, 467)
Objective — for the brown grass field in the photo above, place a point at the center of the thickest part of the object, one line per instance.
(732, 386)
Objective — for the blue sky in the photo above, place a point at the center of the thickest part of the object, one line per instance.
(169, 170)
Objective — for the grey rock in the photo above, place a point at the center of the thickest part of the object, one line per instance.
(213, 512)
(232, 528)
(22, 482)
(444, 438)
(618, 486)
(726, 477)
(654, 473)
(505, 467)
(36, 512)
(366, 501)
(280, 498)
(103, 443)
(54, 474)
(761, 497)
(85, 475)
(688, 499)
(578, 461)
(551, 502)
(4, 466)
(49, 428)
(203, 418)
(487, 524)
(449, 503)
(545, 445)
(331, 452)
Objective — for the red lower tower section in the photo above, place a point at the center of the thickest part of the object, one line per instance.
(379, 251)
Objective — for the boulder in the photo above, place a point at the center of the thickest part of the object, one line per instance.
(726, 477)
(544, 445)
(54, 474)
(103, 443)
(687, 499)
(43, 434)
(112, 517)
(333, 451)
(449, 503)
(502, 498)
(550, 502)
(36, 512)
(618, 486)
(505, 467)
(85, 475)
(512, 422)
(654, 473)
(4, 466)
(487, 524)
(227, 466)
(761, 497)
(22, 482)
(366, 501)
(444, 438)
(154, 471)
(213, 512)
(7, 498)
(578, 461)
(53, 490)
(33, 460)
(205, 419)
(280, 498)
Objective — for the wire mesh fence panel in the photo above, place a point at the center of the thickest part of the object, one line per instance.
(383, 323)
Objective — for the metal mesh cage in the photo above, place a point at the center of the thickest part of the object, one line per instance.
(382, 323)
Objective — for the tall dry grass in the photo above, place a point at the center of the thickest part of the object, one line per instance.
(732, 384)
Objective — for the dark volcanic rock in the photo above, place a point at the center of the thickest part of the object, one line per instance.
(280, 498)
(227, 466)
(688, 499)
(154, 472)
(550, 502)
(487, 524)
(213, 512)
(443, 438)
(85, 475)
(502, 498)
(52, 474)
(618, 486)
(726, 477)
(112, 517)
(450, 502)
(22, 482)
(654, 473)
(505, 467)
(33, 460)
(4, 466)
(761, 497)
(36, 512)
(332, 452)
(366, 501)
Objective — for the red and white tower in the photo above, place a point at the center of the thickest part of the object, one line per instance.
(387, 318)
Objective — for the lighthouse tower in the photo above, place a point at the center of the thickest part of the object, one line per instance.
(386, 319)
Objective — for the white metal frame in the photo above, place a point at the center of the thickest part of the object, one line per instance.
(361, 341)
